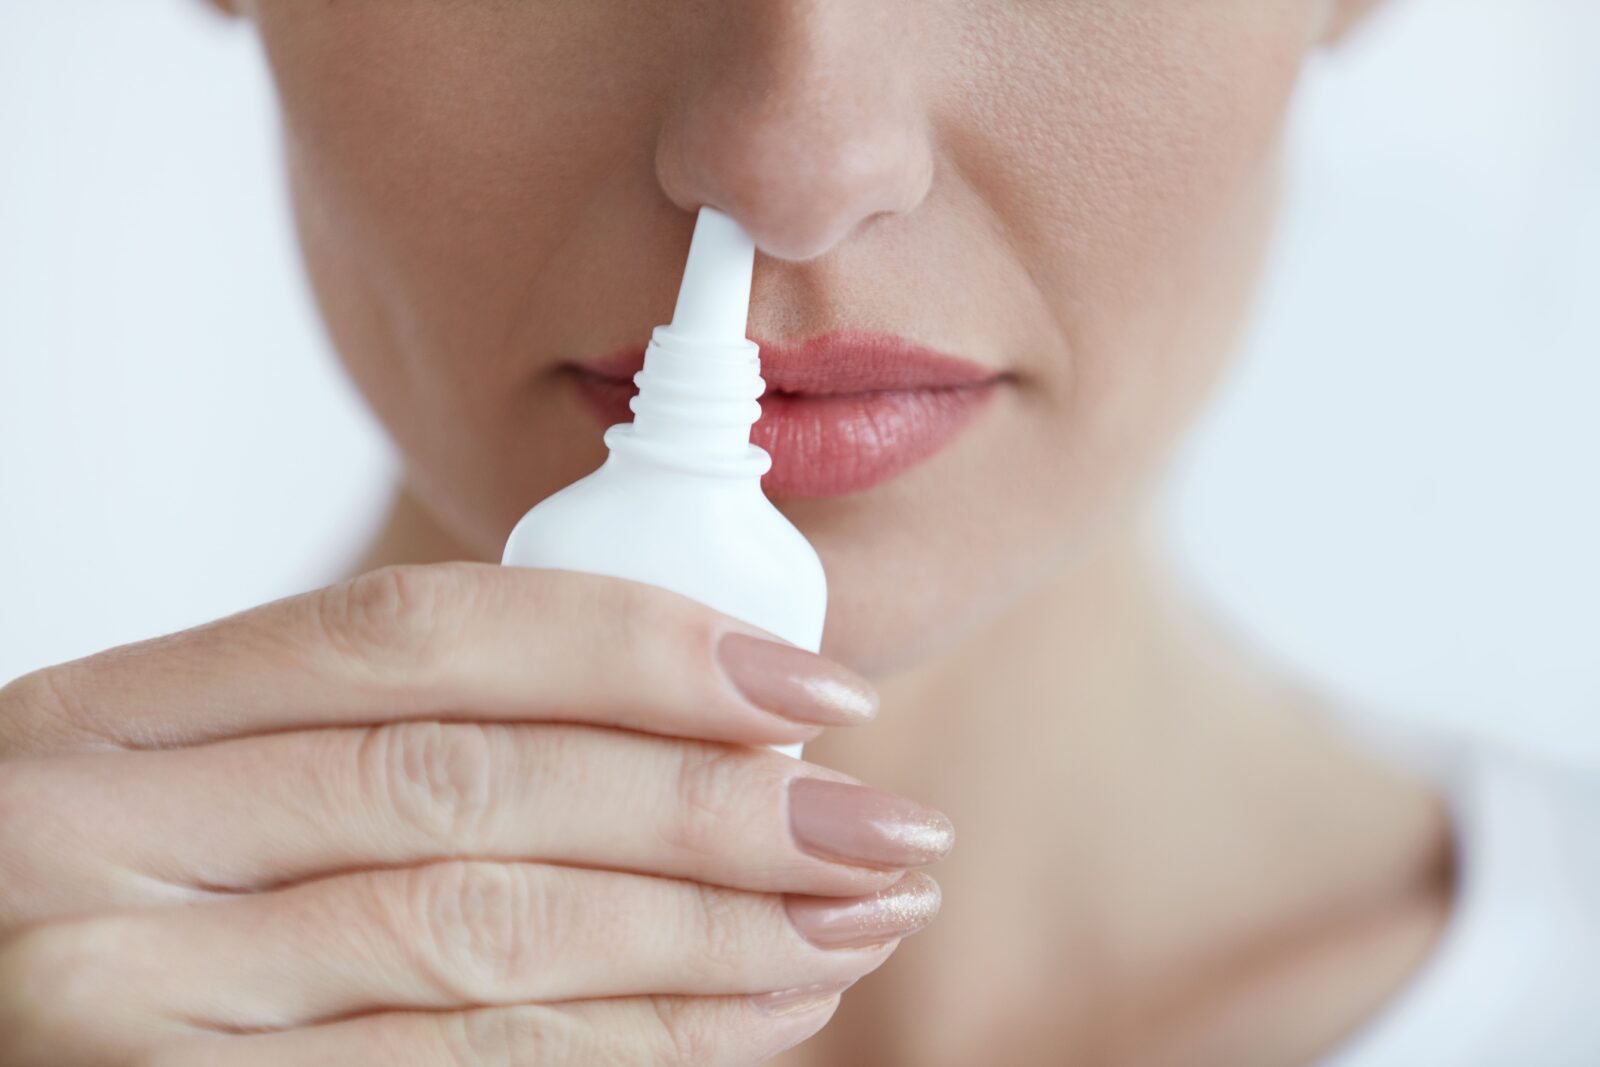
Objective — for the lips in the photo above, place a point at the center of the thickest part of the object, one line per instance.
(842, 412)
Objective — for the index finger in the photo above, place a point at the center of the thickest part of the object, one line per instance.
(444, 641)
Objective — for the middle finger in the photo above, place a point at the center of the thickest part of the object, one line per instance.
(256, 812)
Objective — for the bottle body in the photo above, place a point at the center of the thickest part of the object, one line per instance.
(713, 537)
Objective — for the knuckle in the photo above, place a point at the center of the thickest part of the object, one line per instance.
(686, 1033)
(21, 802)
(174, 1054)
(477, 923)
(30, 802)
(651, 619)
(395, 616)
(56, 977)
(35, 692)
(524, 1034)
(438, 779)
(719, 926)
(43, 702)
(707, 782)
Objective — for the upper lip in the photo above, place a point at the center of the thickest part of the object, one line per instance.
(836, 363)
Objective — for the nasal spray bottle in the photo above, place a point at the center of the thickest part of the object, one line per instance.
(678, 502)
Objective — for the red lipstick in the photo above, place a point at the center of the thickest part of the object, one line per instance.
(843, 412)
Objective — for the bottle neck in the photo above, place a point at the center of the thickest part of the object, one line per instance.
(696, 403)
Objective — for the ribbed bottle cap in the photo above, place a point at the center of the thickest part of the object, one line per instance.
(701, 379)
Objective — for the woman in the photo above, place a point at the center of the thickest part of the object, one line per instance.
(448, 813)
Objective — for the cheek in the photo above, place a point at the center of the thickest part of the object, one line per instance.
(441, 151)
(1119, 131)
(442, 157)
(1133, 162)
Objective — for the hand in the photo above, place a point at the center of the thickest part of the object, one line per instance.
(448, 815)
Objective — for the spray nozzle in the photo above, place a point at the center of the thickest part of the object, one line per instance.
(714, 299)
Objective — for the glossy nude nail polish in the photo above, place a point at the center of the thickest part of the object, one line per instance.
(798, 685)
(854, 824)
(799, 1000)
(855, 922)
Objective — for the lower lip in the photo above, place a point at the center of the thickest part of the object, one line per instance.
(825, 445)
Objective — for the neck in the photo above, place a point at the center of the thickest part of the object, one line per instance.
(410, 534)
(1195, 807)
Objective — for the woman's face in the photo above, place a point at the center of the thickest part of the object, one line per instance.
(1072, 194)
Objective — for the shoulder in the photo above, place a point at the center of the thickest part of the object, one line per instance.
(1514, 975)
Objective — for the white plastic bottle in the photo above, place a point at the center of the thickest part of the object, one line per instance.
(678, 502)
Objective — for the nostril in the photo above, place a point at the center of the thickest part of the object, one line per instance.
(804, 224)
(800, 239)
(800, 168)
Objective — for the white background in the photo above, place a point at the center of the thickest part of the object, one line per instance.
(1399, 489)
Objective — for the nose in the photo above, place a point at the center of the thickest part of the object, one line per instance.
(802, 121)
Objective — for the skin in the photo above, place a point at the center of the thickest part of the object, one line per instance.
(1166, 858)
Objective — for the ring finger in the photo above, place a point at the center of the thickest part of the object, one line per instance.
(457, 935)
(669, 1031)
(254, 813)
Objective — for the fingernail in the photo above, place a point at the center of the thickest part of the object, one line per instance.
(799, 1000)
(796, 684)
(839, 821)
(888, 915)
